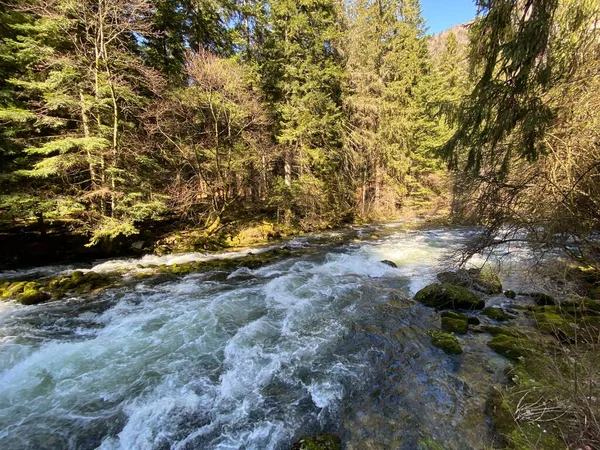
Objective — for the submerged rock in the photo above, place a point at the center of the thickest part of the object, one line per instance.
(445, 341)
(319, 442)
(483, 280)
(389, 263)
(448, 296)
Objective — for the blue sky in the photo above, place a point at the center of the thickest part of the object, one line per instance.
(442, 14)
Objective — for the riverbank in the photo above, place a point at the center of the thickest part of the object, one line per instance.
(24, 245)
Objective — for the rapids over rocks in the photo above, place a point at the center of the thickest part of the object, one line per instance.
(328, 341)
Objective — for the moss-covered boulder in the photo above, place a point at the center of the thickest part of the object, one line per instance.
(495, 313)
(510, 347)
(448, 296)
(77, 276)
(319, 442)
(510, 294)
(455, 322)
(483, 280)
(14, 289)
(445, 341)
(33, 297)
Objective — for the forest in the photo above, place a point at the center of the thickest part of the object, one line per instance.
(166, 130)
(306, 114)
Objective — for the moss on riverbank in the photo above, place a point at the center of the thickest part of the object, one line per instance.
(81, 283)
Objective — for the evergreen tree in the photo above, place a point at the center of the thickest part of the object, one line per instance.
(389, 68)
(302, 75)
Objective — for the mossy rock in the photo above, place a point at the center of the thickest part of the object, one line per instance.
(454, 315)
(319, 442)
(455, 325)
(14, 289)
(77, 276)
(445, 341)
(494, 331)
(510, 347)
(495, 313)
(510, 294)
(448, 296)
(483, 280)
(33, 297)
(519, 435)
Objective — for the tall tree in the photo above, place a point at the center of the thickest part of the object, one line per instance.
(388, 65)
(302, 75)
(83, 86)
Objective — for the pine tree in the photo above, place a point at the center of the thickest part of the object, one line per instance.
(389, 65)
(302, 76)
(82, 86)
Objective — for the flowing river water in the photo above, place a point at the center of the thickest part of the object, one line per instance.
(250, 359)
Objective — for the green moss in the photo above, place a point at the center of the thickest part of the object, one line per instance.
(455, 315)
(33, 297)
(567, 326)
(319, 442)
(510, 347)
(510, 294)
(522, 435)
(452, 325)
(496, 314)
(429, 444)
(594, 293)
(445, 341)
(77, 276)
(580, 306)
(14, 289)
(447, 296)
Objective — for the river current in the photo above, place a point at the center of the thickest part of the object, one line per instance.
(249, 359)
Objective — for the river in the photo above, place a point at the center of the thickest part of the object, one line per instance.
(250, 359)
